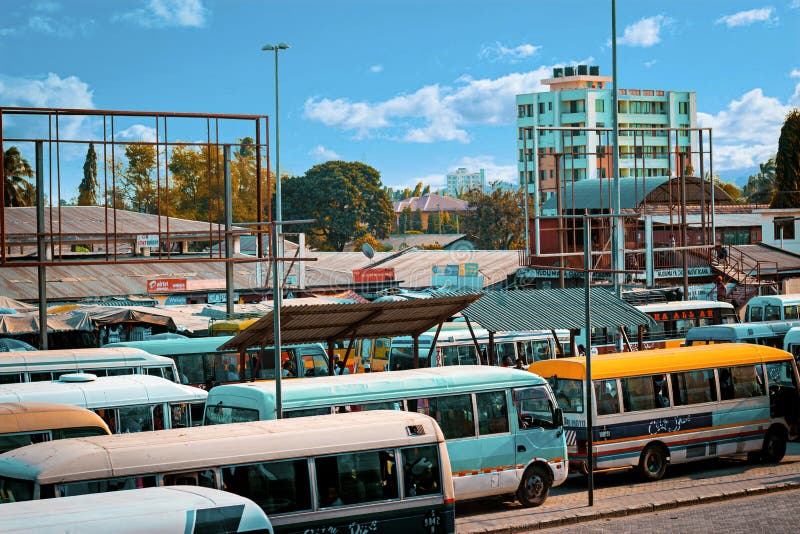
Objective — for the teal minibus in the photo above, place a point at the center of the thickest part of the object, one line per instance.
(502, 426)
(199, 360)
(770, 334)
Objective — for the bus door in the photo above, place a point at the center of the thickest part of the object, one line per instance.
(539, 422)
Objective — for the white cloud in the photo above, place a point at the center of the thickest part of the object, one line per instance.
(645, 32)
(497, 51)
(432, 113)
(320, 153)
(51, 91)
(168, 13)
(795, 72)
(650, 63)
(746, 18)
(137, 132)
(746, 133)
(376, 68)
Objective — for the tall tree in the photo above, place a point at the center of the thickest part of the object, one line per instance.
(17, 189)
(434, 224)
(426, 190)
(404, 224)
(417, 190)
(760, 188)
(416, 220)
(495, 221)
(787, 163)
(87, 189)
(346, 199)
(138, 182)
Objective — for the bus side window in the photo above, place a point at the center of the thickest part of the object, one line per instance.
(693, 387)
(534, 407)
(790, 312)
(42, 377)
(492, 412)
(605, 391)
(453, 413)
(109, 415)
(135, 419)
(756, 313)
(204, 479)
(421, 471)
(772, 313)
(277, 487)
(12, 378)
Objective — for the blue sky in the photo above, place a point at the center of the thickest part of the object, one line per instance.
(415, 88)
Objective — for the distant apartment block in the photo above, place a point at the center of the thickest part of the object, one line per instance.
(461, 181)
(581, 97)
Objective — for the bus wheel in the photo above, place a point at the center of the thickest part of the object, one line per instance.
(653, 462)
(534, 487)
(774, 447)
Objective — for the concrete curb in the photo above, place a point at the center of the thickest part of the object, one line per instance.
(589, 515)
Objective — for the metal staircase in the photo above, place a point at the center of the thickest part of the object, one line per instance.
(752, 277)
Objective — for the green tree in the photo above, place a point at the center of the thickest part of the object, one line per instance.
(138, 182)
(417, 190)
(346, 199)
(434, 224)
(446, 223)
(17, 189)
(733, 191)
(87, 189)
(787, 164)
(760, 188)
(426, 190)
(416, 220)
(404, 224)
(495, 221)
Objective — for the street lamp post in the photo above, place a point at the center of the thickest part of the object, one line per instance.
(277, 248)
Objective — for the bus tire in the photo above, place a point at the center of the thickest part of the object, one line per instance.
(534, 486)
(774, 447)
(653, 462)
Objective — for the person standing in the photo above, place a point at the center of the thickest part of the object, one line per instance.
(722, 291)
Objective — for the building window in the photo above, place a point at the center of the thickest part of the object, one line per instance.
(683, 108)
(542, 175)
(541, 108)
(520, 111)
(529, 110)
(784, 227)
(599, 105)
(549, 106)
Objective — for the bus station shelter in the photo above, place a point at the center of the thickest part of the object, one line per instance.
(554, 309)
(333, 322)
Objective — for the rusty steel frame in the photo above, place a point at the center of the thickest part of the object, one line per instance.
(57, 239)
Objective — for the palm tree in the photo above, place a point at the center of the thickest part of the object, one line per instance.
(761, 188)
(18, 190)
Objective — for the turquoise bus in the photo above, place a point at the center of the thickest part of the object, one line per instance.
(669, 406)
(770, 333)
(773, 308)
(375, 472)
(200, 361)
(503, 426)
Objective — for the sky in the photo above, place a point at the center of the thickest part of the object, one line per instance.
(414, 88)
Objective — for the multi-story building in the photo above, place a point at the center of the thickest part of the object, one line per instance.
(580, 97)
(461, 181)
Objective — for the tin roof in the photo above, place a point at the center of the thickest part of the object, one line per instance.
(546, 309)
(305, 324)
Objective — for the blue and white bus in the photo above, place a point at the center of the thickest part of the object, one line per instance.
(503, 426)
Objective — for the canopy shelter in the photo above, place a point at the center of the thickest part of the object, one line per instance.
(552, 309)
(7, 302)
(595, 194)
(28, 323)
(333, 322)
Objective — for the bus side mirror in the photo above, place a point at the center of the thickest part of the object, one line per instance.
(559, 418)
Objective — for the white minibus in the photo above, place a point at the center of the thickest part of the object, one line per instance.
(169, 509)
(128, 403)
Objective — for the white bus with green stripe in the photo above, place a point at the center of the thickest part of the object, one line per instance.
(502, 425)
(653, 408)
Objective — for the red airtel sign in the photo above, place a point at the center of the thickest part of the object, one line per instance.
(166, 285)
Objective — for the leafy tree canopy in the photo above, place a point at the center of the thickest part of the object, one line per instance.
(346, 199)
(760, 188)
(87, 189)
(17, 189)
(495, 220)
(787, 164)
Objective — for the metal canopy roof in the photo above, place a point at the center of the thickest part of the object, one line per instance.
(322, 322)
(545, 309)
(594, 194)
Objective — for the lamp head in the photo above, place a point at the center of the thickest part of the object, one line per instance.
(279, 46)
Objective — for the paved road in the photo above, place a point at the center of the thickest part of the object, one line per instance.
(620, 493)
(771, 512)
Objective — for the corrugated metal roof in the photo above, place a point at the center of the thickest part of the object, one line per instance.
(545, 309)
(305, 324)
